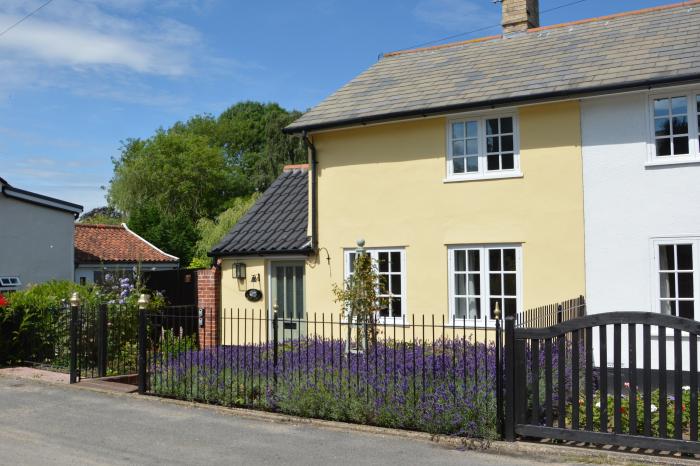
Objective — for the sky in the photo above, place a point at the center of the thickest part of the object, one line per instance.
(80, 76)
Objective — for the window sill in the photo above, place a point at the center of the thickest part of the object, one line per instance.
(489, 176)
(673, 161)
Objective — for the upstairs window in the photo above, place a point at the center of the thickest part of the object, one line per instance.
(675, 123)
(482, 147)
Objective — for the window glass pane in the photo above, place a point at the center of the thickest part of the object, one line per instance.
(660, 107)
(507, 162)
(458, 147)
(492, 126)
(474, 308)
(474, 284)
(668, 307)
(507, 125)
(509, 284)
(493, 162)
(685, 285)
(474, 261)
(289, 292)
(351, 262)
(509, 259)
(663, 147)
(495, 284)
(666, 257)
(472, 164)
(396, 261)
(662, 126)
(679, 105)
(686, 309)
(492, 144)
(472, 129)
(685, 256)
(460, 261)
(461, 284)
(383, 285)
(668, 285)
(383, 261)
(458, 165)
(510, 307)
(507, 143)
(457, 130)
(460, 307)
(680, 146)
(472, 146)
(396, 307)
(680, 125)
(299, 292)
(494, 259)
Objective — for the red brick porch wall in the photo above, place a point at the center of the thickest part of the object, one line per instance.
(208, 295)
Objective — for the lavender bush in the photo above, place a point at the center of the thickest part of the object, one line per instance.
(443, 387)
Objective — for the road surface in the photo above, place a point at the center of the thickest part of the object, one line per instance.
(43, 424)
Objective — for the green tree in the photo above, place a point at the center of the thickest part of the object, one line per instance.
(196, 169)
(102, 215)
(211, 232)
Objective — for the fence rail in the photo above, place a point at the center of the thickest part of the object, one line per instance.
(552, 314)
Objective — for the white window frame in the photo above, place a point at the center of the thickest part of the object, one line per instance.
(485, 283)
(656, 271)
(10, 283)
(374, 253)
(693, 155)
(483, 173)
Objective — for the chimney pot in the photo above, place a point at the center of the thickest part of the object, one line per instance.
(519, 15)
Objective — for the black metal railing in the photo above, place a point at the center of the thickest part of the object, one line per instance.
(423, 374)
(551, 314)
(559, 385)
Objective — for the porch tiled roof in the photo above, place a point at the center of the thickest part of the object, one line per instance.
(276, 223)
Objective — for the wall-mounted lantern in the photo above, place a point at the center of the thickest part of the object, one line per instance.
(239, 271)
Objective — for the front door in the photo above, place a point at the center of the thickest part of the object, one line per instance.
(287, 292)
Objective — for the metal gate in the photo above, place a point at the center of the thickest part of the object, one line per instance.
(559, 383)
(104, 340)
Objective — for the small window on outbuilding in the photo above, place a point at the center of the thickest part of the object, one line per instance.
(10, 283)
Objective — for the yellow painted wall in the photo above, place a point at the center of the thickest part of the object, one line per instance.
(236, 309)
(384, 183)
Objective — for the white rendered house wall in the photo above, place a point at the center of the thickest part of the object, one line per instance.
(631, 204)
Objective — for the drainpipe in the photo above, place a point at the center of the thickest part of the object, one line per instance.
(314, 193)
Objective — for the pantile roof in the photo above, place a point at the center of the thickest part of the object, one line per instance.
(114, 243)
(635, 49)
(277, 222)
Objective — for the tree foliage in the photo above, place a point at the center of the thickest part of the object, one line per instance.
(210, 232)
(195, 170)
(102, 215)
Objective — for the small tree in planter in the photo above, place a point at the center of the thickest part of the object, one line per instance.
(359, 299)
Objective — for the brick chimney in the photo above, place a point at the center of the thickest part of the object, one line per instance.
(519, 15)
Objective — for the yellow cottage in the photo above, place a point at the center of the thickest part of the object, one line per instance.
(458, 166)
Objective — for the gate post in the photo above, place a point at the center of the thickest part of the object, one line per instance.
(499, 373)
(102, 336)
(144, 299)
(509, 427)
(275, 339)
(74, 307)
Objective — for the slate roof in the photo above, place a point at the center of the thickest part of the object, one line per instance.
(114, 243)
(38, 199)
(639, 48)
(276, 223)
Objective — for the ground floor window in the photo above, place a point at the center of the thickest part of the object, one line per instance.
(676, 276)
(482, 278)
(391, 268)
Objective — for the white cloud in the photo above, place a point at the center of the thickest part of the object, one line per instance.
(77, 34)
(458, 15)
